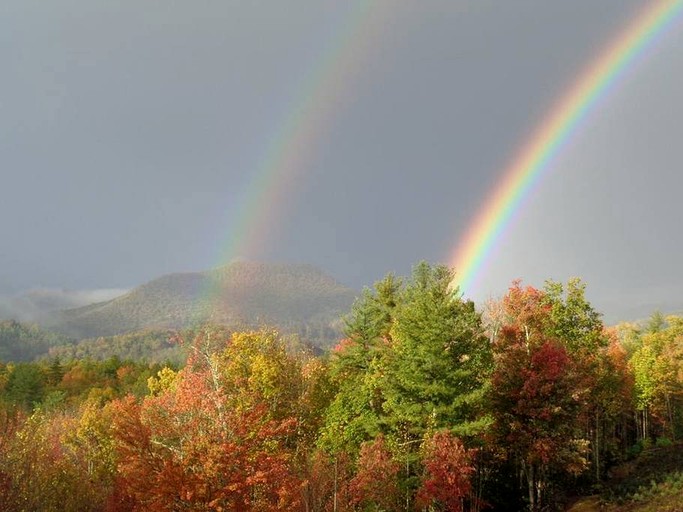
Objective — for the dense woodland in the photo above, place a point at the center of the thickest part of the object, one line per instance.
(428, 403)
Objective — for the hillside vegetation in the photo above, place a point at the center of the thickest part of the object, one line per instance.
(296, 298)
(651, 481)
(427, 403)
(145, 345)
(25, 342)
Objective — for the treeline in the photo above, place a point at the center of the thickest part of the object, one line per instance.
(427, 404)
(147, 345)
(21, 342)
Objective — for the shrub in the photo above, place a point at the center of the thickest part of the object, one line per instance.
(663, 442)
(635, 450)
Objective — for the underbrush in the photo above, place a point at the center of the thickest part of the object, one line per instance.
(653, 481)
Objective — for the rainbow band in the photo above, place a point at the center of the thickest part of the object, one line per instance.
(289, 152)
(476, 247)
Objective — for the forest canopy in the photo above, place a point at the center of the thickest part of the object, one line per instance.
(427, 403)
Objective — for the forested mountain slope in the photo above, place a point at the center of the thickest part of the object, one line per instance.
(23, 342)
(295, 298)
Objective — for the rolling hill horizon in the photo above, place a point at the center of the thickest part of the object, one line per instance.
(296, 298)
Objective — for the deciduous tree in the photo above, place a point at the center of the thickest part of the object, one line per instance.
(447, 470)
(194, 443)
(375, 484)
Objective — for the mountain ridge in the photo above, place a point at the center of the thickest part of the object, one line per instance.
(296, 298)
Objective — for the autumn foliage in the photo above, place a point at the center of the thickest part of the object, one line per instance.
(186, 445)
(426, 404)
(448, 467)
(376, 479)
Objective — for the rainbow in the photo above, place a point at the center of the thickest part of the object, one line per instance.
(475, 248)
(271, 187)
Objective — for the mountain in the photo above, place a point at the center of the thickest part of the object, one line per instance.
(295, 298)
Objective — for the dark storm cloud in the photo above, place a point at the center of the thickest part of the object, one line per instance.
(128, 131)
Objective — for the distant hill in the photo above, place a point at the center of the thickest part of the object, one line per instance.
(295, 298)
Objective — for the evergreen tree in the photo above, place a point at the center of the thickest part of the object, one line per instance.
(357, 365)
(440, 360)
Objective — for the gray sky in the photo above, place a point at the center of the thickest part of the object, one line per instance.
(129, 129)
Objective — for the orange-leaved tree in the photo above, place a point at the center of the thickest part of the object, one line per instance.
(191, 445)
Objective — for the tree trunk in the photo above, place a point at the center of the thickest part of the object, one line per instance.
(670, 414)
(597, 445)
(531, 485)
(335, 485)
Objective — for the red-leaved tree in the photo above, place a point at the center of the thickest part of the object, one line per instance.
(448, 466)
(327, 484)
(535, 408)
(375, 483)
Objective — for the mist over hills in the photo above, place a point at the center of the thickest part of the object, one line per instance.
(296, 298)
(32, 305)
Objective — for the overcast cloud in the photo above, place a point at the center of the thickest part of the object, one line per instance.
(129, 129)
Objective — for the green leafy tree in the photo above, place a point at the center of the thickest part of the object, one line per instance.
(440, 360)
(357, 366)
(657, 365)
(572, 318)
(416, 360)
(25, 385)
